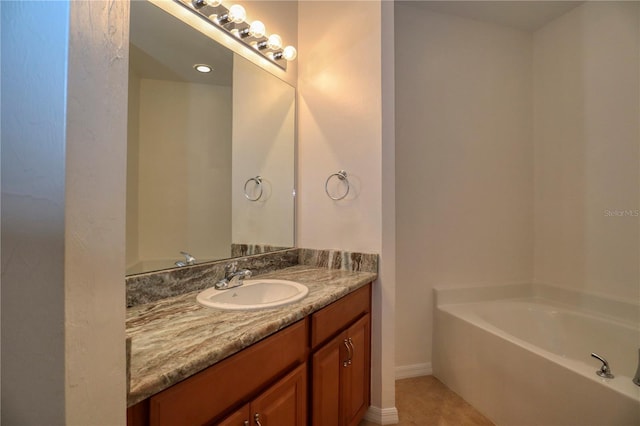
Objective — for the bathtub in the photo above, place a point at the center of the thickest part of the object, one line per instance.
(521, 354)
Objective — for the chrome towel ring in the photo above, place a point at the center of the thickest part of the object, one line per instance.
(342, 175)
(258, 181)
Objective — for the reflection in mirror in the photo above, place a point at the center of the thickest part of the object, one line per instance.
(194, 140)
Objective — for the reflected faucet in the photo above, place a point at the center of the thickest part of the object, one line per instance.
(232, 277)
(188, 260)
(636, 378)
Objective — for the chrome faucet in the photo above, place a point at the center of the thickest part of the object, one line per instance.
(188, 260)
(232, 277)
(605, 370)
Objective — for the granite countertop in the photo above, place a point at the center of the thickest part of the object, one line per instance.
(174, 338)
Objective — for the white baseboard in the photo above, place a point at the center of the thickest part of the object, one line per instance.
(415, 370)
(382, 416)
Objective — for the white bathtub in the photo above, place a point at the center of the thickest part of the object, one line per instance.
(526, 360)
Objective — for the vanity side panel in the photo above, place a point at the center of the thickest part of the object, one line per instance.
(138, 415)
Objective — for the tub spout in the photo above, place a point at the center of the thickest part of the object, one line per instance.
(636, 378)
(605, 370)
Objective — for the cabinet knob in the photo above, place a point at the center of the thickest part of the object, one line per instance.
(257, 419)
(245, 423)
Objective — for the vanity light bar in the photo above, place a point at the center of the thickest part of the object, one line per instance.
(254, 35)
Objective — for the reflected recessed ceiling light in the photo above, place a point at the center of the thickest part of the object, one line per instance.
(202, 68)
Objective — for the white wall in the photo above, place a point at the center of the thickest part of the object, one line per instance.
(263, 145)
(586, 93)
(464, 164)
(340, 127)
(184, 170)
(339, 124)
(512, 151)
(63, 203)
(33, 190)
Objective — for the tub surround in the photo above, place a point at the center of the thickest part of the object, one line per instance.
(601, 305)
(174, 337)
(549, 330)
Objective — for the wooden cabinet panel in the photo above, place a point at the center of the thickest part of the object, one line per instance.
(285, 403)
(332, 319)
(357, 375)
(341, 377)
(325, 383)
(205, 396)
(239, 418)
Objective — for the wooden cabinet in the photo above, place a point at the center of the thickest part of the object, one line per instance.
(206, 396)
(268, 383)
(341, 367)
(283, 404)
(340, 377)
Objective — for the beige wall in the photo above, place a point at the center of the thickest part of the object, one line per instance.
(95, 187)
(133, 169)
(587, 82)
(263, 145)
(184, 171)
(340, 127)
(464, 164)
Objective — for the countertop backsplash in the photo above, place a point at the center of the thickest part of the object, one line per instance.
(153, 286)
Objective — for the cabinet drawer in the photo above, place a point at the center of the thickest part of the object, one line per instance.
(206, 395)
(332, 319)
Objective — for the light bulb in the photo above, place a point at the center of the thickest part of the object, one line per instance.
(237, 14)
(257, 29)
(289, 53)
(199, 4)
(274, 42)
(203, 68)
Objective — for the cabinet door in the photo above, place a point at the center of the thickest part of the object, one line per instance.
(356, 377)
(327, 366)
(283, 404)
(239, 418)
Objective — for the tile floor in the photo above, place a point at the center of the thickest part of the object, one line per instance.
(425, 401)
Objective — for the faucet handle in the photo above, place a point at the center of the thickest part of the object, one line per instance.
(231, 268)
(605, 370)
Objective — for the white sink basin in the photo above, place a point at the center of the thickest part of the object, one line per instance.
(254, 294)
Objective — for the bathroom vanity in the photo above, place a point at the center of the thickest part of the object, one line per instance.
(304, 363)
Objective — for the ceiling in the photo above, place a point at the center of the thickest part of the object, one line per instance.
(164, 48)
(523, 15)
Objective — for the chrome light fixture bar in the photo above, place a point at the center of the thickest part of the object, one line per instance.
(232, 22)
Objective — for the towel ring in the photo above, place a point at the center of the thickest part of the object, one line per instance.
(258, 181)
(342, 175)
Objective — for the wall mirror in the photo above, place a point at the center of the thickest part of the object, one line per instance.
(210, 167)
